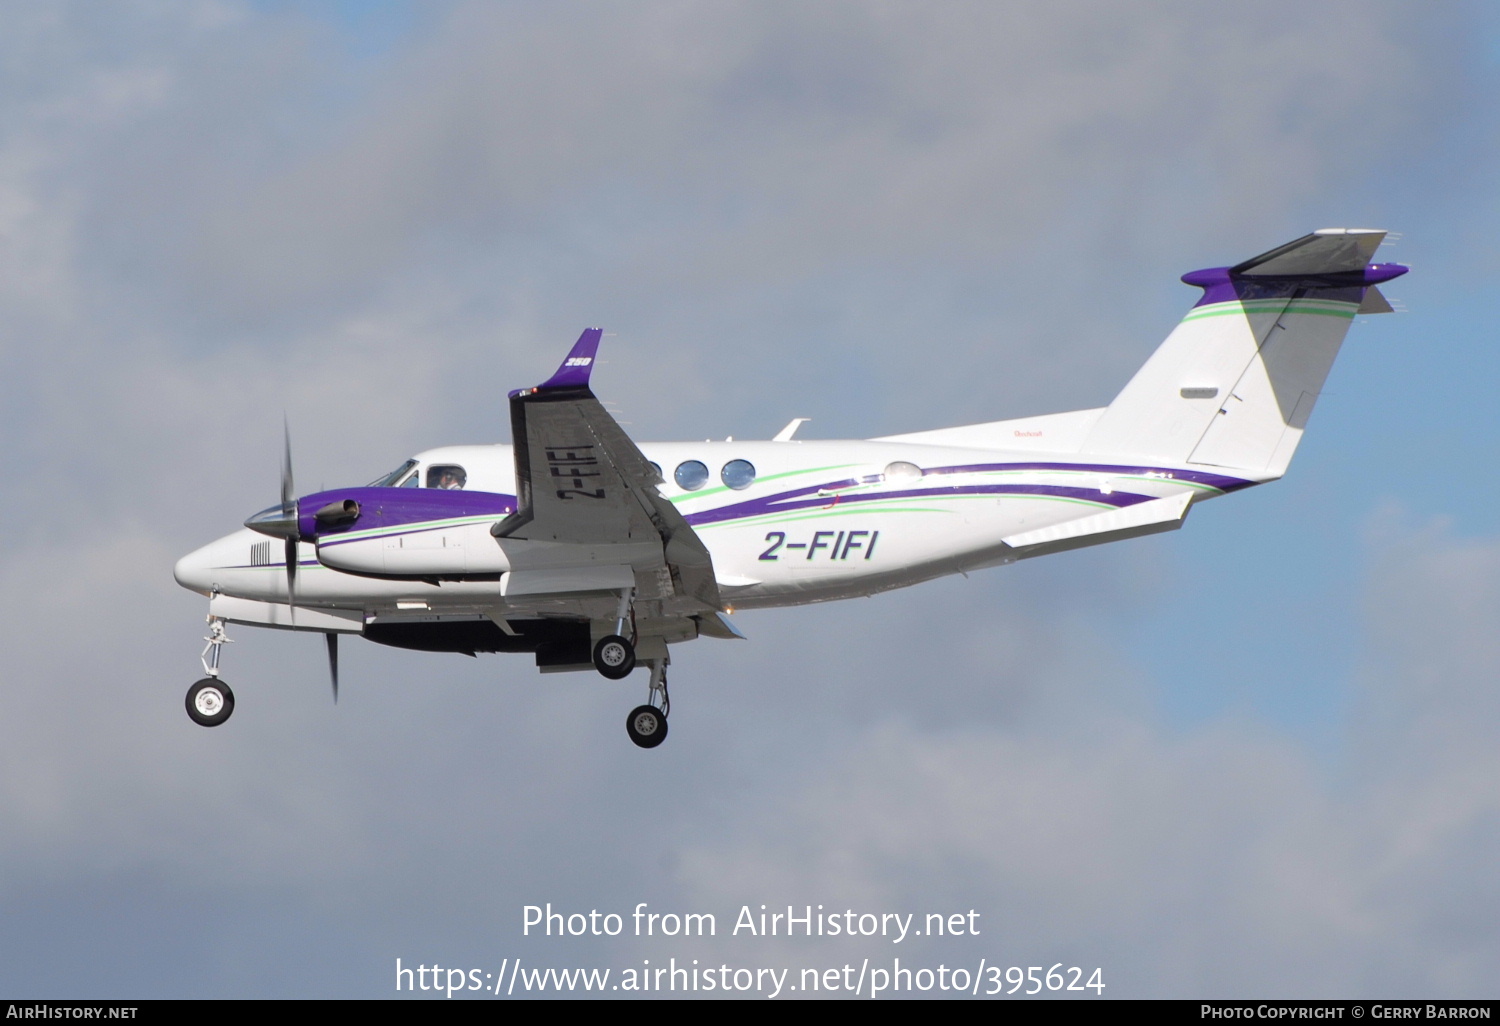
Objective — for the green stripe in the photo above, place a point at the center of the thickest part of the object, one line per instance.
(1331, 309)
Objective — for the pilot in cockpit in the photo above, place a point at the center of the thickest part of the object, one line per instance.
(448, 476)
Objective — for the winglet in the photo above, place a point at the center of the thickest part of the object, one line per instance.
(574, 371)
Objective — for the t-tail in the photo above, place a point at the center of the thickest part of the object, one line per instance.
(1234, 384)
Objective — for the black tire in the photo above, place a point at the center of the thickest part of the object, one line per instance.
(646, 726)
(210, 702)
(614, 657)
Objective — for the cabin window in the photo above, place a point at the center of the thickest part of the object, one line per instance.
(446, 475)
(691, 475)
(738, 474)
(394, 478)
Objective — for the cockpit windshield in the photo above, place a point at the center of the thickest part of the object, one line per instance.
(401, 477)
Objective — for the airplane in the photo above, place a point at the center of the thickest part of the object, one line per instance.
(590, 552)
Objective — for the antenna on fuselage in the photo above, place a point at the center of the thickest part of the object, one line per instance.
(786, 433)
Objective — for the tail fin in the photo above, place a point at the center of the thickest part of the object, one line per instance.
(1234, 384)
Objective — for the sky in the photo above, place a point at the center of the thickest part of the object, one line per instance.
(1251, 758)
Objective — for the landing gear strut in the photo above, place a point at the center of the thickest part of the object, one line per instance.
(647, 724)
(209, 701)
(614, 654)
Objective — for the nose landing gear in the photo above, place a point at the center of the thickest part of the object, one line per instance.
(209, 701)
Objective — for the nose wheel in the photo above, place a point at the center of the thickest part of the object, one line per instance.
(209, 701)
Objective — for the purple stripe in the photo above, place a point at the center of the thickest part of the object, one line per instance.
(392, 507)
(1219, 481)
(387, 508)
(758, 507)
(808, 498)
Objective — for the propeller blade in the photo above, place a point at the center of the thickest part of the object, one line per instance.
(333, 663)
(289, 510)
(288, 491)
(291, 576)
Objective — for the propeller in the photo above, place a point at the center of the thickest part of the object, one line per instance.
(333, 663)
(289, 510)
(281, 521)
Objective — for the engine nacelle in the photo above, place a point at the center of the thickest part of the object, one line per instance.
(422, 552)
(403, 532)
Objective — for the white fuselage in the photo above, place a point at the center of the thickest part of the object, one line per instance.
(820, 520)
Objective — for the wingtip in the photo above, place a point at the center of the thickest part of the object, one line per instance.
(576, 367)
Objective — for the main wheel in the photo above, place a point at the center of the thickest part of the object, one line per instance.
(209, 702)
(646, 726)
(614, 657)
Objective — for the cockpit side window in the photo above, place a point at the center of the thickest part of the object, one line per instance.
(394, 478)
(446, 475)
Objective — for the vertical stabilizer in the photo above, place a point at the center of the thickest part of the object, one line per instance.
(1234, 384)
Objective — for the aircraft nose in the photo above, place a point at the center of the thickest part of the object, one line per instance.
(194, 571)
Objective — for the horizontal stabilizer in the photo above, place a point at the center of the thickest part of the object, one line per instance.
(1131, 522)
(1325, 251)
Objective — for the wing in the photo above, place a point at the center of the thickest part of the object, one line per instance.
(587, 498)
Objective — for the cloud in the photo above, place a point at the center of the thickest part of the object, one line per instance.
(1222, 859)
(210, 214)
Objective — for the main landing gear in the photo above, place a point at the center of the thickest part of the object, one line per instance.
(647, 724)
(614, 654)
(209, 701)
(614, 658)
